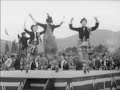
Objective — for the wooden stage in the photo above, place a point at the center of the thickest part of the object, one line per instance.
(62, 80)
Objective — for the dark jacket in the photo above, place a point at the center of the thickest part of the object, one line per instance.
(17, 64)
(97, 64)
(33, 66)
(65, 66)
(23, 41)
(79, 65)
(84, 33)
(32, 35)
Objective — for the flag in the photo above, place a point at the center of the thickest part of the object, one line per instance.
(6, 48)
(14, 47)
(6, 32)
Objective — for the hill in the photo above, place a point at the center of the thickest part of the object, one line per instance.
(106, 37)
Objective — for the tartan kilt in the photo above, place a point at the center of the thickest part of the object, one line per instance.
(23, 53)
(85, 47)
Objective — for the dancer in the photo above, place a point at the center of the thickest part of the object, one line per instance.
(34, 38)
(84, 47)
(23, 42)
(50, 45)
(33, 43)
(84, 31)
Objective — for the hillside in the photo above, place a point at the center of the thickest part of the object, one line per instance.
(108, 38)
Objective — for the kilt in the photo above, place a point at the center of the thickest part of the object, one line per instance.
(85, 47)
(33, 48)
(23, 53)
(50, 45)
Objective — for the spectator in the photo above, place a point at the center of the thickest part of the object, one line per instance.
(8, 64)
(97, 64)
(78, 64)
(34, 65)
(17, 63)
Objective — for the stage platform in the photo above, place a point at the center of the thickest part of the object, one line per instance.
(53, 74)
(96, 79)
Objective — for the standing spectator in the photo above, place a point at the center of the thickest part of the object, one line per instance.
(17, 63)
(97, 64)
(1, 64)
(34, 64)
(64, 63)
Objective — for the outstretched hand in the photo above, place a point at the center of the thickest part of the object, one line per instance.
(25, 24)
(63, 20)
(71, 20)
(96, 19)
(32, 18)
(61, 23)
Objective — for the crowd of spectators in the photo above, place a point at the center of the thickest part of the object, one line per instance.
(64, 61)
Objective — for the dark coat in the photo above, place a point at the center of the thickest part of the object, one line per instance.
(17, 64)
(33, 66)
(32, 35)
(79, 65)
(23, 41)
(84, 33)
(97, 64)
(65, 66)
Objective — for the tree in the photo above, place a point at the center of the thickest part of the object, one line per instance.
(14, 48)
(101, 49)
(117, 53)
(7, 50)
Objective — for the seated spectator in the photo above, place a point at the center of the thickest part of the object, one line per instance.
(8, 64)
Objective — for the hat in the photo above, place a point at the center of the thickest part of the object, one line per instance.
(23, 33)
(49, 19)
(83, 20)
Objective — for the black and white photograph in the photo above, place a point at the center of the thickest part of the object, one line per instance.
(60, 45)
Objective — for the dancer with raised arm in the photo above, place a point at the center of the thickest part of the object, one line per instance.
(34, 38)
(32, 43)
(84, 46)
(23, 43)
(50, 45)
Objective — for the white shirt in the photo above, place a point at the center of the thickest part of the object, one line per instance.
(62, 63)
(35, 33)
(8, 62)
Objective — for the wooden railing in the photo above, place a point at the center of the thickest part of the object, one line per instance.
(21, 85)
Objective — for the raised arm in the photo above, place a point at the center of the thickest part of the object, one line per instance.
(42, 32)
(40, 24)
(37, 23)
(71, 26)
(96, 25)
(56, 26)
(28, 32)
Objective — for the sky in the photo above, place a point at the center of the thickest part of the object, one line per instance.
(14, 14)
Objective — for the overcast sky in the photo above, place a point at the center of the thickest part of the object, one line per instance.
(14, 13)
